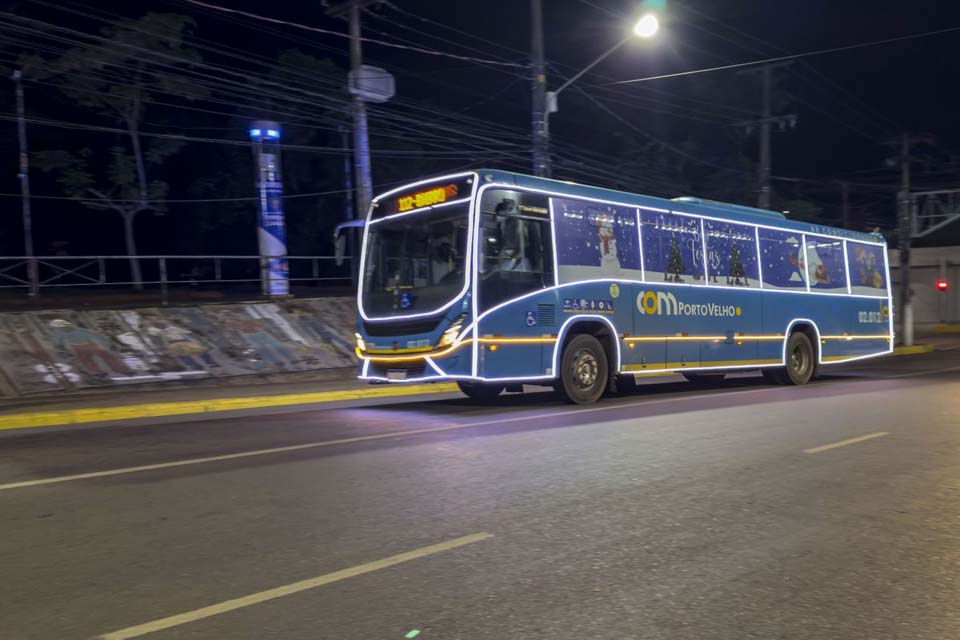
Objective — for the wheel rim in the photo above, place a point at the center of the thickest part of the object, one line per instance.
(799, 359)
(586, 369)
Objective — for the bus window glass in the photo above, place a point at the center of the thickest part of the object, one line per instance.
(825, 260)
(867, 269)
(672, 248)
(595, 241)
(731, 254)
(415, 263)
(782, 260)
(516, 253)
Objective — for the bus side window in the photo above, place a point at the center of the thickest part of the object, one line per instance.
(867, 269)
(672, 248)
(825, 264)
(783, 260)
(595, 241)
(731, 254)
(515, 244)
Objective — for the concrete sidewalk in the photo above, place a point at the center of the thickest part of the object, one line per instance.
(208, 396)
(134, 403)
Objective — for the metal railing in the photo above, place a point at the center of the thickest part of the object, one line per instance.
(932, 210)
(165, 272)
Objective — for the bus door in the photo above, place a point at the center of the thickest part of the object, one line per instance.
(516, 259)
(731, 310)
(734, 331)
(649, 350)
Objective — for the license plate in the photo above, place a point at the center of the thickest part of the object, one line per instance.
(397, 374)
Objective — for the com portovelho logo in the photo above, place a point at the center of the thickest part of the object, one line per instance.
(661, 303)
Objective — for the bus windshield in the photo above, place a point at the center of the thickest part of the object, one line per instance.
(415, 263)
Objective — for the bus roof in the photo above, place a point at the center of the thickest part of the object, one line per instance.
(696, 206)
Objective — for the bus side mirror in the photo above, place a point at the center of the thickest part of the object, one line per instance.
(339, 248)
(340, 239)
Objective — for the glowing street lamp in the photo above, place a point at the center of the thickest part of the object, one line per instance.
(647, 26)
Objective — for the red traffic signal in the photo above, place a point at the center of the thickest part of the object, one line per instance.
(942, 285)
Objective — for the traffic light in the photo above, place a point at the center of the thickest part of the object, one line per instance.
(942, 285)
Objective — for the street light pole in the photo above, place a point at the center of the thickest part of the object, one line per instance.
(539, 114)
(591, 65)
(646, 27)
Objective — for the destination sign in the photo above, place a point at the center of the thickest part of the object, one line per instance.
(424, 196)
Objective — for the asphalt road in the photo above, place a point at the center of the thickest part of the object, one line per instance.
(675, 512)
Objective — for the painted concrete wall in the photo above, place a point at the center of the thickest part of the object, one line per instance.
(931, 307)
(49, 351)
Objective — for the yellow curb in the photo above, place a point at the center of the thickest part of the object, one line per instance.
(947, 328)
(912, 350)
(161, 409)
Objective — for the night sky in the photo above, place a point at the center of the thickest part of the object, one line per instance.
(681, 136)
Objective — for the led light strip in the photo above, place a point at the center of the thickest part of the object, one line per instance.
(800, 291)
(467, 259)
(375, 357)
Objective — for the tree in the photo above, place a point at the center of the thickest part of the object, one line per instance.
(116, 77)
(674, 262)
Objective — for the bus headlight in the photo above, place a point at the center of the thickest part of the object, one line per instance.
(452, 332)
(361, 345)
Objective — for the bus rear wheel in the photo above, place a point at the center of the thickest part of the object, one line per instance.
(583, 370)
(801, 362)
(481, 391)
(704, 378)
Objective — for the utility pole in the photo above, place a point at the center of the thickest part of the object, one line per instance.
(845, 196)
(905, 226)
(906, 235)
(538, 113)
(767, 119)
(348, 213)
(361, 143)
(763, 198)
(24, 176)
(347, 176)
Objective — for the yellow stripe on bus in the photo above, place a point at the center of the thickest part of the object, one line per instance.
(640, 368)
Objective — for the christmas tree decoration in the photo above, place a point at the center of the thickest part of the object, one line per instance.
(737, 272)
(675, 267)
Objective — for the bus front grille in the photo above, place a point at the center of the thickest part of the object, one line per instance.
(399, 370)
(401, 327)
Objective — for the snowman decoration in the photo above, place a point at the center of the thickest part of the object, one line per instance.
(800, 272)
(609, 262)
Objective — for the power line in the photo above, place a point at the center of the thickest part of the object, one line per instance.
(242, 143)
(188, 200)
(788, 57)
(455, 30)
(480, 139)
(865, 108)
(384, 43)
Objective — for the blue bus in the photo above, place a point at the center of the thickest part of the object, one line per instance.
(495, 279)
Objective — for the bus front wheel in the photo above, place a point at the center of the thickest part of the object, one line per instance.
(583, 370)
(801, 364)
(481, 391)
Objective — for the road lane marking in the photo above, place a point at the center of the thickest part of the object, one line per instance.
(843, 443)
(341, 441)
(290, 589)
(228, 456)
